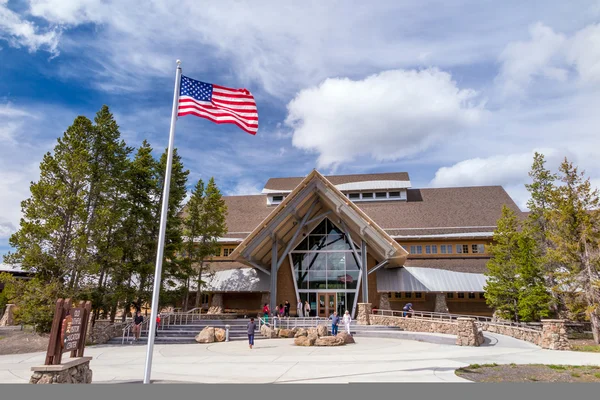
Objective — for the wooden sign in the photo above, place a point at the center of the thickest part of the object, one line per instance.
(69, 329)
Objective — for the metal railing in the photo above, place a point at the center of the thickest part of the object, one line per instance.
(429, 315)
(127, 331)
(292, 322)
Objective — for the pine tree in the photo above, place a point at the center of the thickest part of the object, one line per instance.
(52, 230)
(574, 230)
(534, 298)
(174, 233)
(204, 224)
(540, 204)
(502, 290)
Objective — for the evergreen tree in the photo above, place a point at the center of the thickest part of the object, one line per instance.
(174, 233)
(574, 230)
(204, 224)
(52, 229)
(540, 204)
(502, 289)
(534, 298)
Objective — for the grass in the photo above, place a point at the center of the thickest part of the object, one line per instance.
(597, 375)
(586, 347)
(530, 373)
(557, 367)
(575, 374)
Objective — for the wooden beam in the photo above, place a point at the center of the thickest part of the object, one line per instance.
(365, 283)
(381, 264)
(258, 267)
(318, 217)
(293, 239)
(273, 299)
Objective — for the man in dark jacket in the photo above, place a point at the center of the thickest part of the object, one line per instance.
(251, 329)
(335, 320)
(137, 325)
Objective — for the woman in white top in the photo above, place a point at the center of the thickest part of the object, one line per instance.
(346, 320)
(299, 309)
(306, 309)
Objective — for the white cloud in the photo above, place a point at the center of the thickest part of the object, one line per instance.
(387, 116)
(245, 187)
(548, 55)
(584, 53)
(20, 32)
(524, 60)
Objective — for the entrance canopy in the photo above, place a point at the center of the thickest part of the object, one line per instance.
(303, 209)
(414, 279)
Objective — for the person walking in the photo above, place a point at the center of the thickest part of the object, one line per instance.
(251, 329)
(157, 323)
(335, 320)
(346, 320)
(286, 306)
(281, 311)
(407, 310)
(266, 313)
(137, 325)
(306, 309)
(299, 312)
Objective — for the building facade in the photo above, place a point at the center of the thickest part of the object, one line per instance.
(335, 241)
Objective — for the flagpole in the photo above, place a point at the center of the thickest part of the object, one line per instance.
(163, 228)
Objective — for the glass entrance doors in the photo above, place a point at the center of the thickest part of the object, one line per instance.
(326, 304)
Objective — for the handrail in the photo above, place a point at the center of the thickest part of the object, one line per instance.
(450, 317)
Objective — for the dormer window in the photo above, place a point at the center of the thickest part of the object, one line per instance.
(381, 195)
(377, 196)
(367, 195)
(394, 195)
(277, 199)
(354, 196)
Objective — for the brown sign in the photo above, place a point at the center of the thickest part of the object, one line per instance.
(68, 332)
(71, 330)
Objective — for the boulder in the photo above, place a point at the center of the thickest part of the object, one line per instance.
(304, 341)
(312, 336)
(312, 331)
(301, 332)
(329, 341)
(219, 335)
(348, 339)
(286, 333)
(206, 335)
(322, 331)
(295, 329)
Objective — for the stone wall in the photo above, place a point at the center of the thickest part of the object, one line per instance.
(78, 372)
(554, 335)
(216, 305)
(416, 324)
(384, 302)
(468, 334)
(440, 303)
(528, 335)
(101, 332)
(363, 314)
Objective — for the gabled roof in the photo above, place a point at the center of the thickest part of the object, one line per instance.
(315, 189)
(288, 184)
(412, 279)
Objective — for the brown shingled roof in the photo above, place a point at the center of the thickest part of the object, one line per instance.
(471, 265)
(426, 211)
(473, 208)
(291, 183)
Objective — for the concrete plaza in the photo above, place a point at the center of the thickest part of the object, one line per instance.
(279, 361)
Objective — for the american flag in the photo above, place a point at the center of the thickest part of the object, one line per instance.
(219, 104)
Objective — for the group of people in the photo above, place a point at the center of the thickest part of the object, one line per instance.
(283, 310)
(137, 325)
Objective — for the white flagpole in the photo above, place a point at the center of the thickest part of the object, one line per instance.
(163, 228)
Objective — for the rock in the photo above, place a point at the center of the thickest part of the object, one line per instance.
(295, 329)
(8, 318)
(304, 341)
(219, 335)
(301, 332)
(322, 331)
(348, 339)
(311, 331)
(207, 335)
(312, 336)
(329, 341)
(286, 333)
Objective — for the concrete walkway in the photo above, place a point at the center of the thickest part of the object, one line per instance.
(279, 361)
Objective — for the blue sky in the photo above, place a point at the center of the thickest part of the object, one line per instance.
(455, 93)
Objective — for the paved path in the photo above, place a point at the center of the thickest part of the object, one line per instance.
(279, 361)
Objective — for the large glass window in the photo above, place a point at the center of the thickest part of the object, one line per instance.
(325, 260)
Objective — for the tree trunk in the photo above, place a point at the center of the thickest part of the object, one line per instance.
(595, 320)
(187, 294)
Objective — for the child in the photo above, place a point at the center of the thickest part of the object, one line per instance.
(251, 329)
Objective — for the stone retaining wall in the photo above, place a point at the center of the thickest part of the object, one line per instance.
(416, 324)
(102, 333)
(74, 371)
(528, 335)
